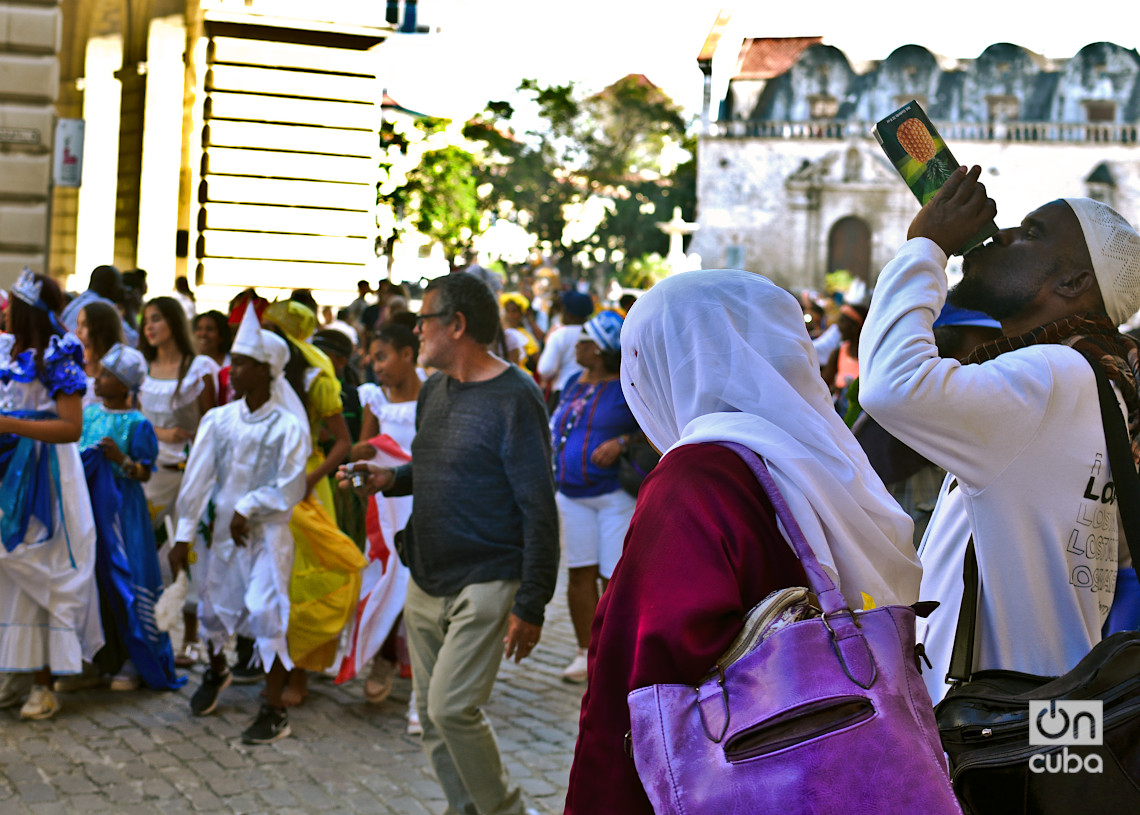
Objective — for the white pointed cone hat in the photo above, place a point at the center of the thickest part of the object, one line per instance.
(265, 346)
(248, 340)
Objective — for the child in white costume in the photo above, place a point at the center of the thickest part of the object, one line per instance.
(249, 459)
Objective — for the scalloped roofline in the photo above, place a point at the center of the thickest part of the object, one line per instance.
(769, 57)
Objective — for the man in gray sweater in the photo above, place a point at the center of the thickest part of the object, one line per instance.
(482, 543)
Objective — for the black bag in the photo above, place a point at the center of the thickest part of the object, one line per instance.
(984, 719)
(636, 462)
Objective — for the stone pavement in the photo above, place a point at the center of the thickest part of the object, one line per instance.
(143, 753)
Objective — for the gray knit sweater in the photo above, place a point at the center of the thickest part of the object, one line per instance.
(483, 498)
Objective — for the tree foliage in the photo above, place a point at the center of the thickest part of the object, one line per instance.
(609, 161)
(428, 183)
(589, 177)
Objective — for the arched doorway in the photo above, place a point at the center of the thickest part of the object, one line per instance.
(849, 248)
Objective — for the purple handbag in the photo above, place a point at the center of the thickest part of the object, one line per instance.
(813, 709)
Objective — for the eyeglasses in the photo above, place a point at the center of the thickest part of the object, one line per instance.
(422, 317)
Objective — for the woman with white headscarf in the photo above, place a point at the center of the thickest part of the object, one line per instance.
(707, 357)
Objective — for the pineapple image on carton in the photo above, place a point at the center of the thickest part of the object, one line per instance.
(918, 152)
(921, 157)
(916, 140)
(921, 146)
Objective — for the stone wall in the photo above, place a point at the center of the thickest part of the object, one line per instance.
(752, 217)
(794, 155)
(29, 82)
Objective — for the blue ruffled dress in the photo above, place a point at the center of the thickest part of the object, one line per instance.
(126, 563)
(48, 603)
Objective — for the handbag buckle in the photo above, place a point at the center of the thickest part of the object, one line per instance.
(724, 700)
(827, 614)
(864, 682)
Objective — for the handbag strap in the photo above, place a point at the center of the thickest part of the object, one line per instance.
(1127, 486)
(1124, 477)
(830, 598)
(851, 647)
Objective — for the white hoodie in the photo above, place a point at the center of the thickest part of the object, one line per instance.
(1022, 435)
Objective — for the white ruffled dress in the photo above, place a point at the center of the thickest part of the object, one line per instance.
(169, 403)
(48, 602)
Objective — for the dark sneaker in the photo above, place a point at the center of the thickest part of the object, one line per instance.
(205, 699)
(246, 671)
(270, 725)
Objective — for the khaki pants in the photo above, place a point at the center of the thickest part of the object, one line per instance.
(456, 647)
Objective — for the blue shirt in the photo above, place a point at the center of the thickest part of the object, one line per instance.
(587, 415)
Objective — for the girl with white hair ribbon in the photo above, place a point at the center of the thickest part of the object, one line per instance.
(248, 461)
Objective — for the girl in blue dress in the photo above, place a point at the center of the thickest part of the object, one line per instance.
(48, 611)
(119, 450)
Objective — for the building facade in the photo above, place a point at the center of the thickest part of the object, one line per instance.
(231, 141)
(792, 184)
(31, 34)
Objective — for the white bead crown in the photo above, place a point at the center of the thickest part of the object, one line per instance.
(27, 288)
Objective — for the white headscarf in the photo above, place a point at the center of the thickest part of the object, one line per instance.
(725, 356)
(255, 342)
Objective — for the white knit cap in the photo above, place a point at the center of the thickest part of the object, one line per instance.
(264, 346)
(1114, 247)
(125, 364)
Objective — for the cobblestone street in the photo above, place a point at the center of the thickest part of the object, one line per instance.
(144, 753)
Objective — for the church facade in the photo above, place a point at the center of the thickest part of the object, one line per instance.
(793, 185)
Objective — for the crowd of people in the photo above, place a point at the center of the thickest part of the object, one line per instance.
(172, 473)
(381, 490)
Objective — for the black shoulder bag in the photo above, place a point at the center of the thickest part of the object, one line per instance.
(636, 462)
(984, 720)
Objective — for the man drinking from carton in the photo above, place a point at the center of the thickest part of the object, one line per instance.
(1019, 432)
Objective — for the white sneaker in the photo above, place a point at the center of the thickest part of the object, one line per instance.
(575, 672)
(41, 704)
(14, 689)
(127, 678)
(414, 726)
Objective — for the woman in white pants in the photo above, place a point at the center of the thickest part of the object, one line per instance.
(589, 428)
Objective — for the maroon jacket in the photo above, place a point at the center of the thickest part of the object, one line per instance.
(702, 549)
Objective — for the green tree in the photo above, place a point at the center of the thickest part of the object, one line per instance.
(619, 147)
(632, 124)
(428, 182)
(529, 176)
